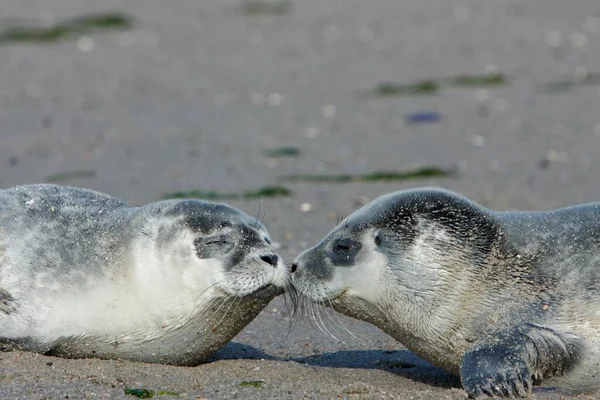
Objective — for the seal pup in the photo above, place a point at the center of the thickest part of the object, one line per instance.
(505, 300)
(84, 275)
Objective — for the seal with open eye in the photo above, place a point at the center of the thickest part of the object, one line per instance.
(505, 300)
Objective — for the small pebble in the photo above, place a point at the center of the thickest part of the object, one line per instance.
(32, 89)
(328, 111)
(477, 140)
(29, 202)
(85, 43)
(482, 95)
(491, 69)
(578, 40)
(591, 24)
(274, 99)
(552, 155)
(306, 207)
(311, 132)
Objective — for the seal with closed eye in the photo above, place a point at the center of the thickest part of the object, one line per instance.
(85, 275)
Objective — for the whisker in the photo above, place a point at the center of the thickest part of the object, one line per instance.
(197, 303)
(236, 299)
(325, 327)
(341, 323)
(221, 302)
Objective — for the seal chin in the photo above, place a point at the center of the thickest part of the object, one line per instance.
(339, 296)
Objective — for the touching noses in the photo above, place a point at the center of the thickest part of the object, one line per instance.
(270, 259)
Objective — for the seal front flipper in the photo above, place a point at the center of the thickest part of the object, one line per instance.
(507, 364)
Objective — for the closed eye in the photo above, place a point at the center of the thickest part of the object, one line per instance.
(267, 240)
(213, 246)
(345, 245)
(216, 242)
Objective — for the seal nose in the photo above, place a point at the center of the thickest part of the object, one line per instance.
(293, 268)
(270, 259)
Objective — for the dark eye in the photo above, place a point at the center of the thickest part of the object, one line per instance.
(345, 245)
(267, 240)
(377, 239)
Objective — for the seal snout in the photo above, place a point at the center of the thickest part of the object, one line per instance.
(271, 259)
(293, 268)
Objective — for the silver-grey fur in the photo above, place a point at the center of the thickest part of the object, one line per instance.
(503, 299)
(85, 275)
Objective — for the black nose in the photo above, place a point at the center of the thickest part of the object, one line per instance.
(271, 259)
(294, 268)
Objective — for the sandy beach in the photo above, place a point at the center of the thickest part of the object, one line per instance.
(260, 105)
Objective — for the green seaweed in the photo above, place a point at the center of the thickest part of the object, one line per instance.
(140, 393)
(434, 85)
(426, 87)
(65, 176)
(567, 85)
(265, 7)
(64, 29)
(256, 384)
(285, 151)
(496, 79)
(267, 191)
(385, 176)
(147, 393)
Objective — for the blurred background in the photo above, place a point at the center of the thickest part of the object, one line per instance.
(303, 110)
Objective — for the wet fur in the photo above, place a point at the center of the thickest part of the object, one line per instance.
(85, 275)
(457, 279)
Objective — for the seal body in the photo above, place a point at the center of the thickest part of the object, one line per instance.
(505, 300)
(85, 275)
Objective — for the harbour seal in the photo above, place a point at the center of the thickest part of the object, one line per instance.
(505, 300)
(84, 275)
